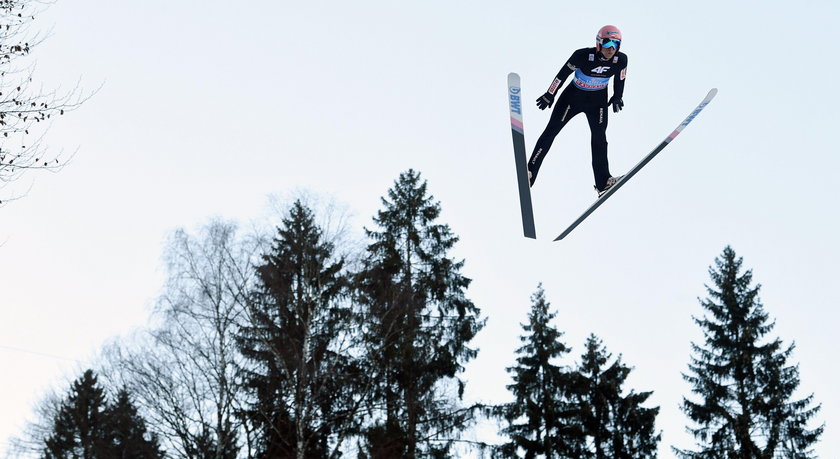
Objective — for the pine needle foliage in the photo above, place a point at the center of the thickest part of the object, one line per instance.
(744, 387)
(419, 325)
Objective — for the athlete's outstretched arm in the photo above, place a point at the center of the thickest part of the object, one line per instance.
(561, 77)
(548, 98)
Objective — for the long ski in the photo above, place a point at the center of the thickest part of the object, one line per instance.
(640, 165)
(515, 100)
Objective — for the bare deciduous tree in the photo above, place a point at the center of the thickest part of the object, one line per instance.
(183, 372)
(25, 110)
(37, 430)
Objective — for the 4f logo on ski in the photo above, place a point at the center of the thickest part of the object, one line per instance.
(515, 101)
(600, 69)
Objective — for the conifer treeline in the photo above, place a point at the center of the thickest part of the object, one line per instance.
(87, 425)
(572, 412)
(299, 348)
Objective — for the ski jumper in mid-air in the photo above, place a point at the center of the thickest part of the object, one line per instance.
(593, 68)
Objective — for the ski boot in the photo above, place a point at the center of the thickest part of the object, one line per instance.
(610, 183)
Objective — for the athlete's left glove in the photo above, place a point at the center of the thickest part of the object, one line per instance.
(616, 103)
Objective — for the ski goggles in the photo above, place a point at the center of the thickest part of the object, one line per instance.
(609, 43)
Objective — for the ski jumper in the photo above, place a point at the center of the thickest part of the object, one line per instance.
(586, 94)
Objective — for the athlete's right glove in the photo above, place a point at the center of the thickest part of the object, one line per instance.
(545, 101)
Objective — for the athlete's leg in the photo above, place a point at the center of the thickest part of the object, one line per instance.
(563, 111)
(597, 117)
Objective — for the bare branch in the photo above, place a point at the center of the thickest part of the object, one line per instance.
(27, 112)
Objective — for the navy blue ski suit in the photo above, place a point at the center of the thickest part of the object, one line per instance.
(586, 94)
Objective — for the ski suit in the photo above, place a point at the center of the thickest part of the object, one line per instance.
(586, 94)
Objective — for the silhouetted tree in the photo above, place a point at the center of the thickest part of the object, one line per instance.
(24, 111)
(613, 425)
(419, 325)
(300, 373)
(541, 421)
(127, 432)
(183, 372)
(743, 380)
(87, 427)
(80, 423)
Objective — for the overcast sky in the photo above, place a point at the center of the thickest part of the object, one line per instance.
(208, 107)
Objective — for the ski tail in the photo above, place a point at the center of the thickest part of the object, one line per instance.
(518, 133)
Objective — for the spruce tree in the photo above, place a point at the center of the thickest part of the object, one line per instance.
(80, 428)
(540, 420)
(302, 387)
(126, 430)
(741, 377)
(86, 426)
(612, 425)
(419, 325)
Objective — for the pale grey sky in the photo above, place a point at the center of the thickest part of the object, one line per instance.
(207, 108)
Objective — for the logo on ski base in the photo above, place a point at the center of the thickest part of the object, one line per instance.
(687, 120)
(515, 101)
(694, 114)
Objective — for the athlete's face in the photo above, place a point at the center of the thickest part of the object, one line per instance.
(608, 52)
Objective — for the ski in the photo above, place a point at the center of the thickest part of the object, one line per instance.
(640, 165)
(515, 100)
